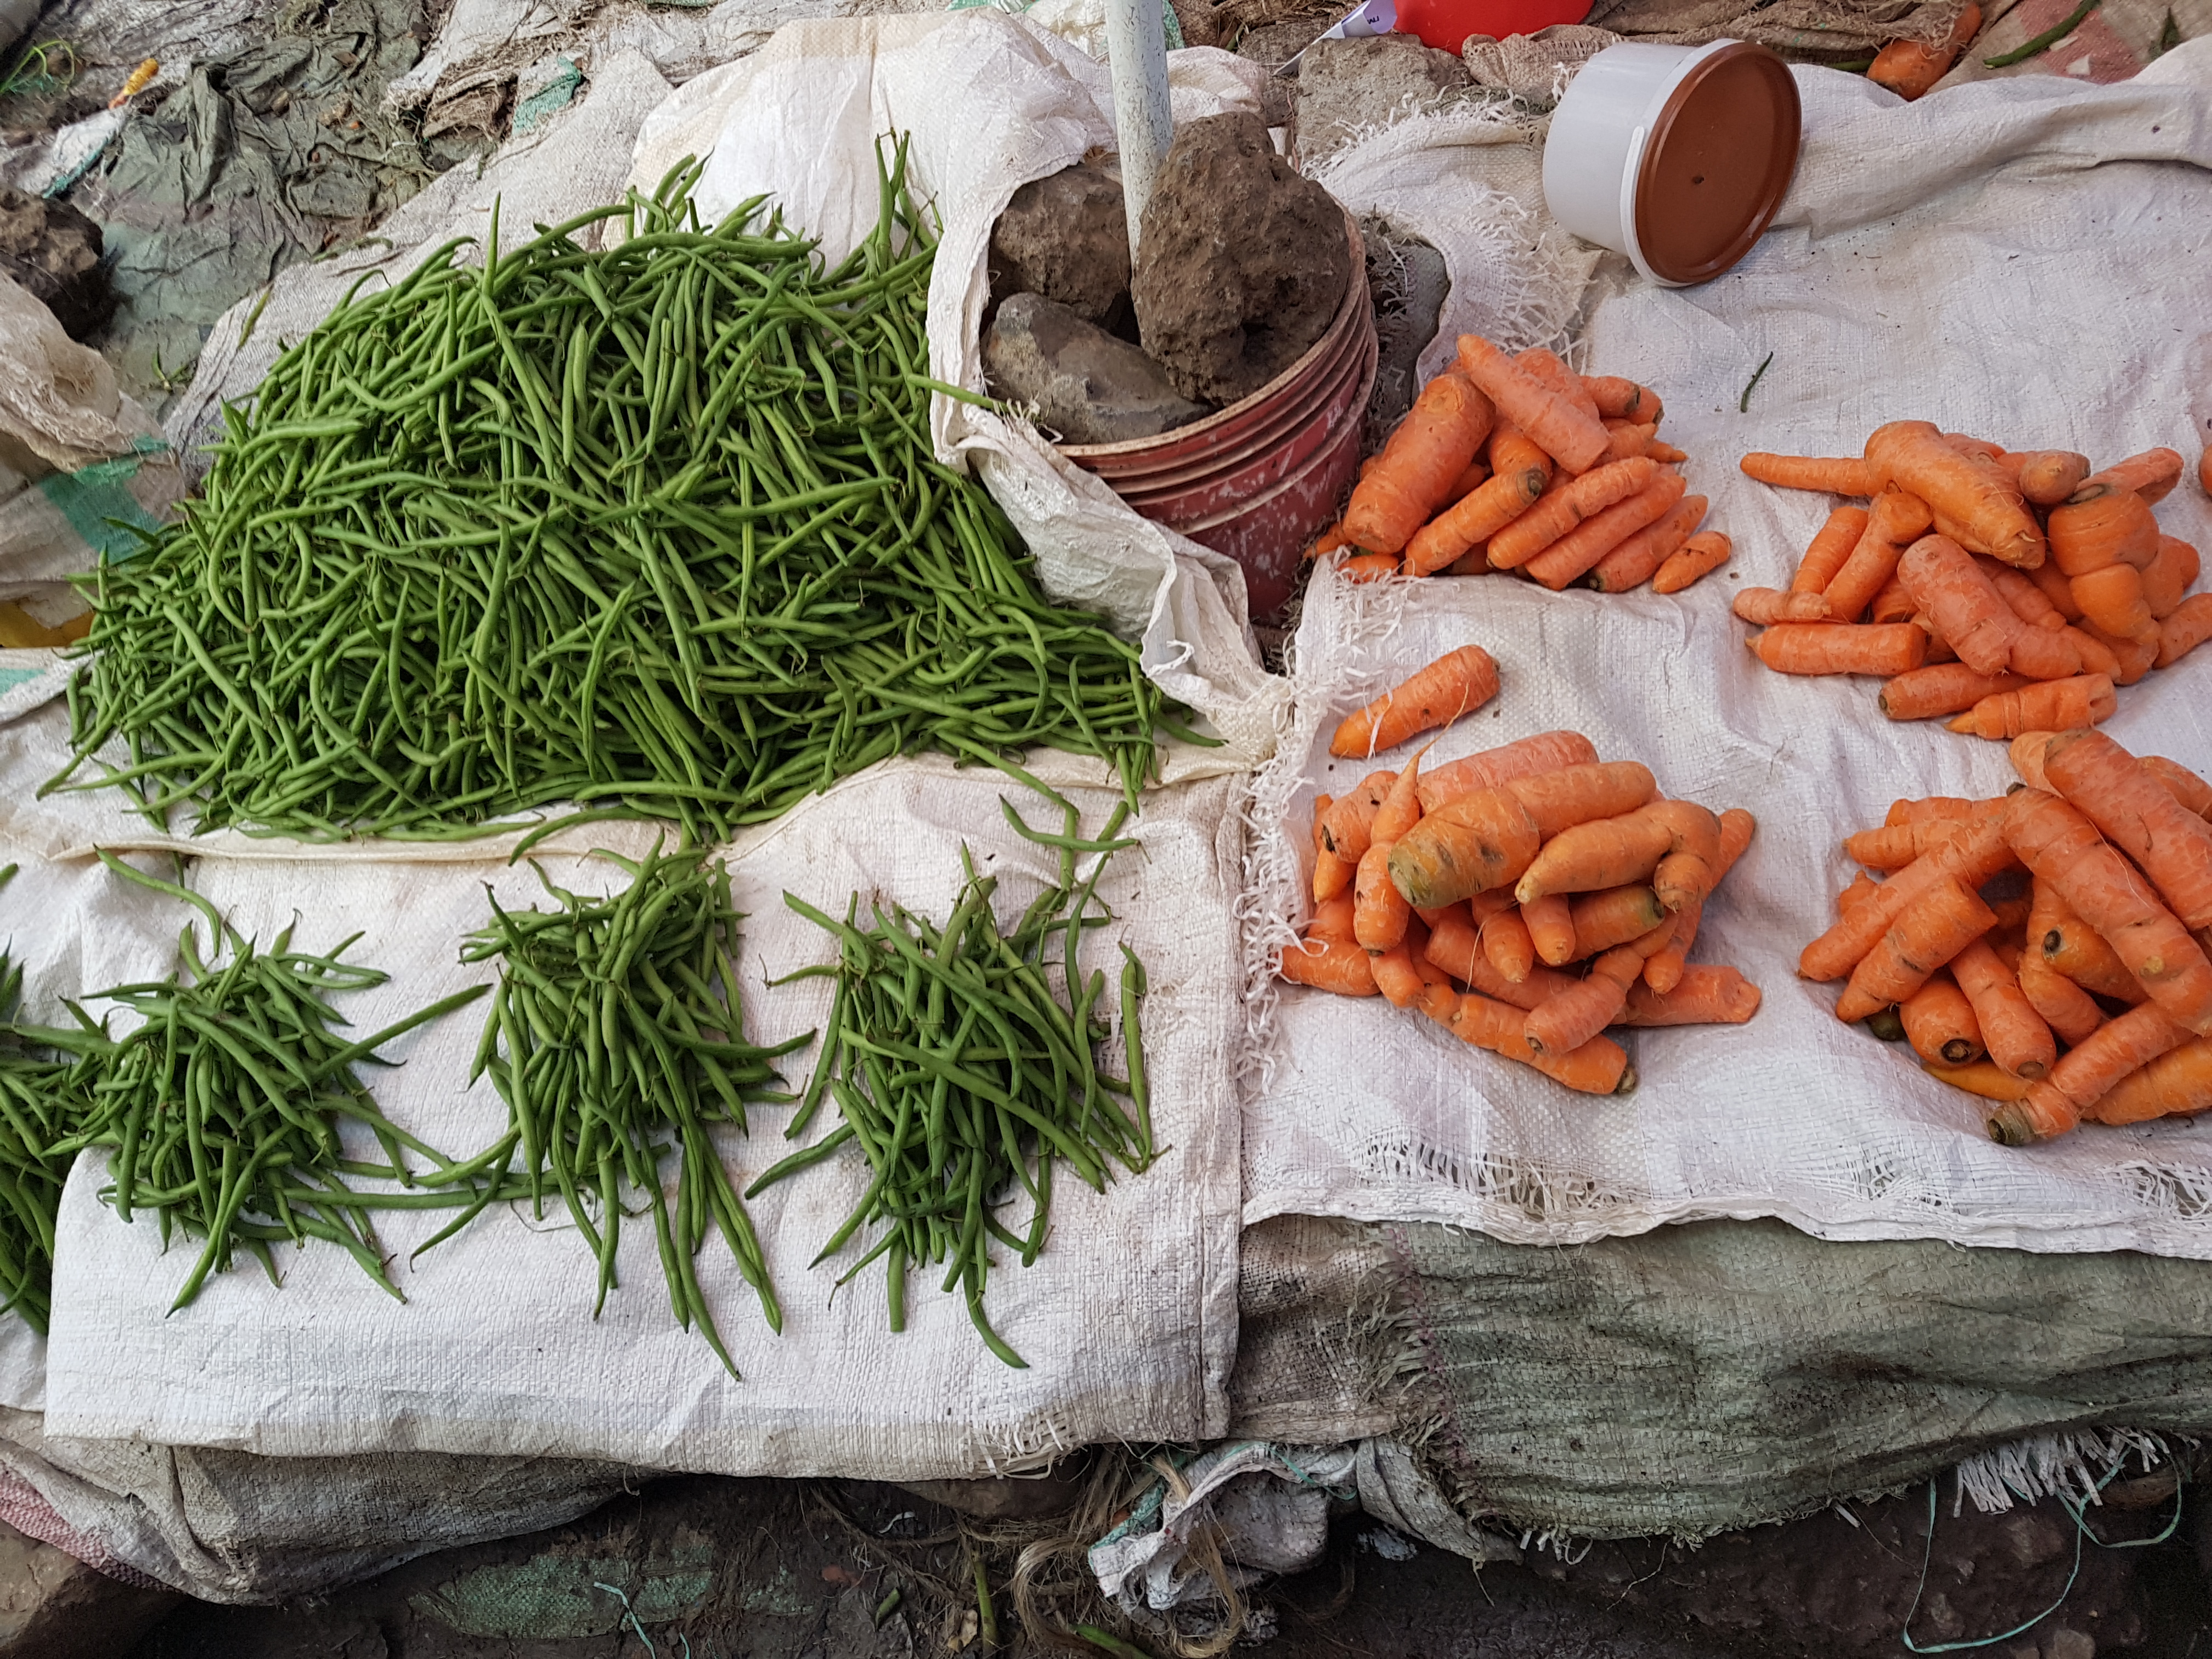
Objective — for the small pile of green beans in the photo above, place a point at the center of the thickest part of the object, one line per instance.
(961, 1076)
(223, 1107)
(658, 529)
(40, 1101)
(616, 1039)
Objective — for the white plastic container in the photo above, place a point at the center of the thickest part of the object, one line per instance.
(1677, 156)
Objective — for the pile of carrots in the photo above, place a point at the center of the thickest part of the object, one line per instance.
(1520, 464)
(1525, 898)
(2045, 949)
(2012, 590)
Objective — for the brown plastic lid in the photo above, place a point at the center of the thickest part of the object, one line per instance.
(1718, 164)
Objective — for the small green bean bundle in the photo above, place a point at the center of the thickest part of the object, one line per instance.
(222, 1107)
(617, 1038)
(41, 1098)
(961, 1077)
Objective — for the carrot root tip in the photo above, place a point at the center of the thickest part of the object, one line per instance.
(2008, 1127)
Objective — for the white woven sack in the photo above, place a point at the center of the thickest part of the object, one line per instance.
(1916, 247)
(1127, 1320)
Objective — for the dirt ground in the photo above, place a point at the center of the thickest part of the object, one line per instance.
(716, 1569)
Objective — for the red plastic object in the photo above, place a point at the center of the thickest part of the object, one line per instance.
(1445, 24)
(1259, 479)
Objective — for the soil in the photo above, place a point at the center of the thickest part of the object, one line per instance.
(53, 251)
(1241, 263)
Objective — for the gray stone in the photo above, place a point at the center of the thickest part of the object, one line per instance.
(1088, 386)
(1349, 86)
(54, 1607)
(1409, 282)
(1066, 237)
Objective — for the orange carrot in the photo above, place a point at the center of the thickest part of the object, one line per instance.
(1566, 559)
(2017, 588)
(2025, 754)
(2137, 814)
(2177, 1083)
(1426, 455)
(1961, 601)
(1659, 451)
(1763, 607)
(1896, 845)
(1475, 474)
(1332, 875)
(1509, 945)
(1934, 807)
(1562, 508)
(1970, 858)
(1984, 1078)
(1456, 946)
(1613, 916)
(1332, 920)
(1552, 370)
(2136, 657)
(1379, 911)
(2189, 627)
(1939, 648)
(1322, 804)
(2061, 846)
(1988, 512)
(1575, 1016)
(1512, 450)
(1487, 839)
(2048, 476)
(2185, 785)
(1330, 965)
(2084, 1075)
(1664, 966)
(1675, 844)
(2044, 706)
(1474, 518)
(1396, 973)
(1709, 993)
(2150, 474)
(1940, 1025)
(1348, 826)
(1625, 439)
(2051, 582)
(1944, 688)
(1551, 925)
(2114, 600)
(1825, 555)
(1368, 567)
(1632, 562)
(1911, 69)
(1933, 928)
(1892, 604)
(2167, 577)
(1887, 649)
(2012, 1031)
(1524, 757)
(2110, 527)
(2066, 1008)
(1704, 552)
(1331, 540)
(2072, 949)
(1623, 400)
(2097, 657)
(1600, 1066)
(1845, 476)
(1571, 436)
(1402, 808)
(1458, 683)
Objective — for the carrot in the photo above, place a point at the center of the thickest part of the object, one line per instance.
(1961, 601)
(2176, 1084)
(1548, 751)
(1348, 826)
(2044, 706)
(2107, 528)
(1660, 451)
(1331, 540)
(2204, 471)
(1612, 916)
(1322, 804)
(2184, 785)
(1512, 450)
(2114, 600)
(1892, 604)
(2014, 1033)
(1488, 839)
(1566, 559)
(1439, 996)
(1930, 931)
(1828, 549)
(1551, 370)
(1632, 563)
(1911, 70)
(1397, 975)
(1844, 475)
(2026, 753)
(1564, 508)
(1368, 567)
(1474, 520)
(1970, 858)
(2084, 1075)
(2051, 582)
(2070, 947)
(1710, 993)
(1762, 607)
(1471, 478)
(2061, 846)
(1944, 688)
(1380, 912)
(1887, 649)
(1626, 438)
(1664, 966)
(1623, 400)
(1456, 946)
(2167, 577)
(1551, 928)
(2181, 633)
(1330, 965)
(2066, 1008)
(1567, 1021)
(1704, 552)
(1456, 683)
(2150, 474)
(1332, 875)
(1935, 806)
(2135, 658)
(1332, 920)
(1431, 449)
(1939, 1023)
(1509, 945)
(2017, 588)
(2096, 656)
(1553, 422)
(1402, 808)
(1896, 845)
(2048, 476)
(1984, 1078)
(1990, 515)
(2137, 814)
(1600, 1066)
(1674, 844)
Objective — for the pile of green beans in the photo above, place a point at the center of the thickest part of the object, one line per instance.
(40, 1101)
(659, 529)
(961, 1077)
(616, 1038)
(222, 1107)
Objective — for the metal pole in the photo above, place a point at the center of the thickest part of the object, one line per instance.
(1137, 50)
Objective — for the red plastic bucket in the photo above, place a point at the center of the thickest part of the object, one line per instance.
(1259, 479)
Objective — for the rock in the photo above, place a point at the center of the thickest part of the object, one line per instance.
(1409, 282)
(1066, 237)
(1241, 263)
(53, 251)
(1089, 387)
(1349, 86)
(54, 1607)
